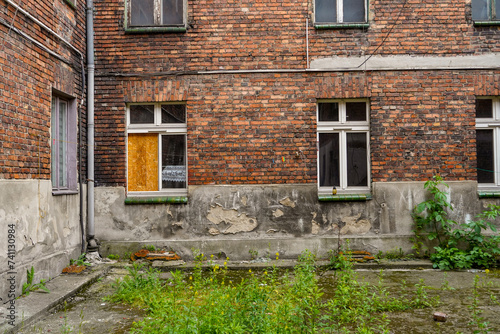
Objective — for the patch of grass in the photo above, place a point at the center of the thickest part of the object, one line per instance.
(270, 301)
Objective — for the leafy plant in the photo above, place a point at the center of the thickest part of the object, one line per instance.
(253, 254)
(460, 246)
(151, 248)
(81, 261)
(29, 286)
(113, 257)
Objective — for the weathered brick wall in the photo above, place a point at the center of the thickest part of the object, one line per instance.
(27, 76)
(260, 127)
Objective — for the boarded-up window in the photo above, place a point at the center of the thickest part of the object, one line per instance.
(157, 147)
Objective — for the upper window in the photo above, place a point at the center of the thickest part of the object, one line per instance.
(340, 11)
(155, 14)
(157, 149)
(486, 10)
(343, 152)
(488, 141)
(63, 145)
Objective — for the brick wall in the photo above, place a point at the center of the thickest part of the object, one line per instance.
(260, 127)
(27, 76)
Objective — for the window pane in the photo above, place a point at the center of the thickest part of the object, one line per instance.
(142, 114)
(354, 10)
(173, 12)
(497, 10)
(173, 161)
(479, 10)
(54, 149)
(485, 156)
(328, 112)
(173, 113)
(62, 138)
(329, 173)
(326, 11)
(357, 160)
(484, 108)
(143, 162)
(142, 12)
(355, 111)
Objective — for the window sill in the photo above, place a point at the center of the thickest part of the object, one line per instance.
(156, 200)
(145, 30)
(341, 26)
(489, 193)
(345, 197)
(64, 192)
(486, 23)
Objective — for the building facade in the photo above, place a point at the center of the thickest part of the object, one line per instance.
(42, 56)
(281, 125)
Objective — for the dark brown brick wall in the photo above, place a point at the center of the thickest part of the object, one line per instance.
(242, 125)
(27, 76)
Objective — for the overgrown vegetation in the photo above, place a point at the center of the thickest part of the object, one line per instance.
(30, 286)
(459, 246)
(270, 301)
(81, 261)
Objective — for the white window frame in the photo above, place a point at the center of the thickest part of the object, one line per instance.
(340, 14)
(160, 129)
(492, 124)
(343, 127)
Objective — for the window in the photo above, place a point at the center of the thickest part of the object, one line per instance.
(157, 149)
(155, 13)
(343, 146)
(340, 11)
(63, 145)
(487, 141)
(486, 10)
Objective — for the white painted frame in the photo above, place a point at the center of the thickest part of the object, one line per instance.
(492, 124)
(343, 127)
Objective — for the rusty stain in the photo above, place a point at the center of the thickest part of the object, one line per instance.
(152, 256)
(73, 269)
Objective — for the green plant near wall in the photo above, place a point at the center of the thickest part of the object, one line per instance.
(460, 246)
(30, 286)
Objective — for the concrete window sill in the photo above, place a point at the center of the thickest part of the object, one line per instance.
(345, 197)
(156, 200)
(342, 26)
(489, 194)
(148, 30)
(64, 192)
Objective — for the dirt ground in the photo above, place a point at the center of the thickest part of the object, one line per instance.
(88, 313)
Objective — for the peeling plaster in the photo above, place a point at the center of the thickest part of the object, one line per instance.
(213, 231)
(315, 225)
(287, 202)
(355, 226)
(239, 222)
(278, 213)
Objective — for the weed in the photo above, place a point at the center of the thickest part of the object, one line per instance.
(81, 261)
(151, 248)
(113, 257)
(29, 286)
(253, 254)
(477, 321)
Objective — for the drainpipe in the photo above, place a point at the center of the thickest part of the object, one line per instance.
(91, 242)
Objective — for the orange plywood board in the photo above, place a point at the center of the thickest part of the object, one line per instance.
(143, 162)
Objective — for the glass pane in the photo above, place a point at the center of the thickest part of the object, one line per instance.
(355, 111)
(326, 11)
(142, 114)
(173, 12)
(485, 156)
(328, 112)
(142, 12)
(329, 173)
(173, 161)
(484, 107)
(63, 138)
(54, 149)
(357, 160)
(354, 10)
(173, 113)
(497, 10)
(479, 10)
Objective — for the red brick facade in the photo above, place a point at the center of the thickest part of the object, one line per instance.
(259, 126)
(28, 74)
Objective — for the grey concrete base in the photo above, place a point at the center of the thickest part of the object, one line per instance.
(239, 249)
(30, 308)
